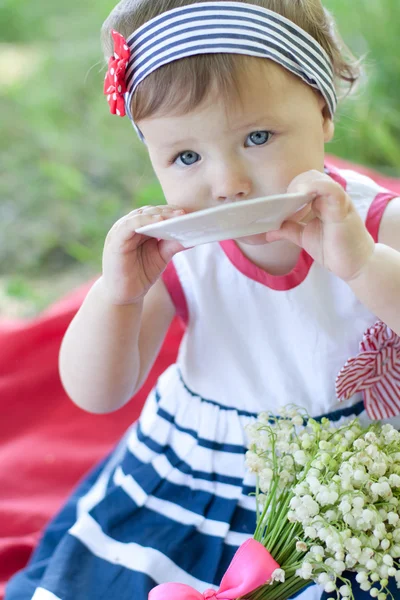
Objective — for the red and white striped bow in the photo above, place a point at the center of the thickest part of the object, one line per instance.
(375, 372)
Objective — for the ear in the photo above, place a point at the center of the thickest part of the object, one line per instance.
(328, 125)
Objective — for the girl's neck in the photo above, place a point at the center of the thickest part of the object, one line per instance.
(278, 258)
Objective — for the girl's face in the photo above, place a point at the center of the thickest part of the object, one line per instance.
(224, 152)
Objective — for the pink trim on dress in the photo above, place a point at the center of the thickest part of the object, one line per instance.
(375, 213)
(335, 175)
(280, 283)
(175, 290)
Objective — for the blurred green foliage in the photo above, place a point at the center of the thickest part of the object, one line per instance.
(69, 170)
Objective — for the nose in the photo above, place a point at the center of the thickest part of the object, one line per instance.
(232, 183)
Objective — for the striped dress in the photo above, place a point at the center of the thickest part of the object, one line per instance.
(171, 502)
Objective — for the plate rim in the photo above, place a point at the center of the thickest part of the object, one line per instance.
(218, 209)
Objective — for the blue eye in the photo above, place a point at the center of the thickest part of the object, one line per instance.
(258, 138)
(188, 158)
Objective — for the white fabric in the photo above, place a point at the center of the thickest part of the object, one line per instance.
(299, 340)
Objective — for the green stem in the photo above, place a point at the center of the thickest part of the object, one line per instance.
(279, 591)
(261, 523)
(280, 523)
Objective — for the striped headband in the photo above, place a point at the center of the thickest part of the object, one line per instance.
(211, 28)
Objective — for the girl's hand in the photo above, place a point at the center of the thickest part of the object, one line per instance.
(133, 262)
(329, 228)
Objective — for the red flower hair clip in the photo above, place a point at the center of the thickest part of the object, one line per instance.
(114, 83)
(375, 372)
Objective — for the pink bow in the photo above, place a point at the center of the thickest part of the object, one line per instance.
(375, 372)
(251, 567)
(114, 83)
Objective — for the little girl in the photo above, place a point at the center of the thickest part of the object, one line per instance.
(234, 100)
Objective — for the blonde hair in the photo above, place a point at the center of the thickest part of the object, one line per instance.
(182, 85)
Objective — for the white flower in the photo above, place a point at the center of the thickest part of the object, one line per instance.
(262, 499)
(331, 516)
(373, 542)
(378, 468)
(380, 531)
(323, 578)
(350, 520)
(394, 480)
(323, 533)
(285, 477)
(388, 560)
(370, 437)
(395, 551)
(300, 457)
(263, 417)
(317, 552)
(351, 561)
(366, 586)
(372, 451)
(338, 567)
(252, 432)
(305, 571)
(383, 514)
(358, 501)
(385, 544)
(311, 532)
(359, 444)
(265, 479)
(314, 483)
(365, 556)
(353, 546)
(383, 571)
(306, 441)
(345, 507)
(283, 447)
(278, 575)
(345, 591)
(301, 546)
(254, 462)
(306, 509)
(329, 587)
(326, 496)
(368, 516)
(360, 475)
(396, 535)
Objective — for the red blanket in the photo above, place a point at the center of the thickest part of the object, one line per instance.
(47, 443)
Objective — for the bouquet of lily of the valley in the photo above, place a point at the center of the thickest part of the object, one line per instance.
(327, 502)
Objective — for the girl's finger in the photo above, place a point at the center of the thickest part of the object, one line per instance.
(304, 214)
(169, 248)
(290, 231)
(138, 211)
(332, 206)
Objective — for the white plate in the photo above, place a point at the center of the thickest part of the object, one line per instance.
(229, 221)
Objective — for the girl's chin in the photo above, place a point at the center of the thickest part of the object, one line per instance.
(253, 240)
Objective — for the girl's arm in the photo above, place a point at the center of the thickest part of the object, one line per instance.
(114, 339)
(108, 349)
(332, 231)
(377, 285)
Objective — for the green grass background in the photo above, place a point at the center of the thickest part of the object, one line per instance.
(68, 169)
